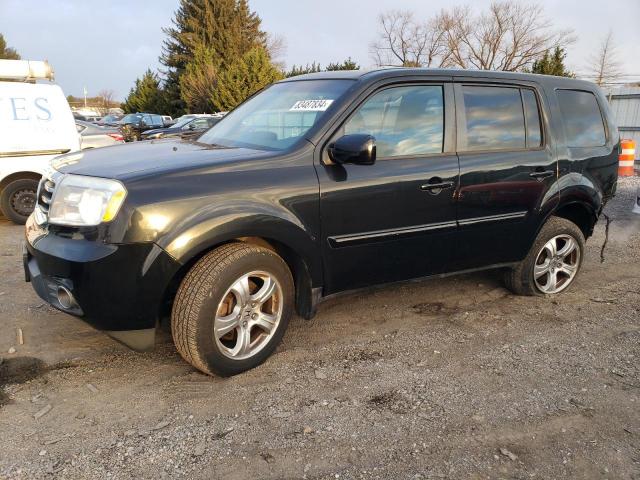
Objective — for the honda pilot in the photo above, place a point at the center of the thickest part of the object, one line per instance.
(322, 184)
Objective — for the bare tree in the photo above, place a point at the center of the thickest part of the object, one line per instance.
(509, 36)
(277, 48)
(406, 42)
(605, 66)
(106, 99)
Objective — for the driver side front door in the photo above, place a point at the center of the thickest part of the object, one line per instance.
(395, 219)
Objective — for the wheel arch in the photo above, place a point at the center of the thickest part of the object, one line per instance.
(297, 251)
(23, 175)
(582, 214)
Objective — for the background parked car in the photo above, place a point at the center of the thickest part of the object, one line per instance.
(133, 124)
(168, 120)
(190, 116)
(94, 136)
(110, 120)
(188, 128)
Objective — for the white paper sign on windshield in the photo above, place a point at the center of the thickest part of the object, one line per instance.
(311, 105)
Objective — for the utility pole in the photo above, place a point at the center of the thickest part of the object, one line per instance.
(85, 97)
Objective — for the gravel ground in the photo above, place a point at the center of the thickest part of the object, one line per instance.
(450, 378)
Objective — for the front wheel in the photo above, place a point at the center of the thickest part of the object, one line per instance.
(18, 199)
(553, 262)
(232, 309)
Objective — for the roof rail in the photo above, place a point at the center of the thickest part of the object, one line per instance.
(25, 70)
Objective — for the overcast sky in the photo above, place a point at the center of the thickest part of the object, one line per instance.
(108, 44)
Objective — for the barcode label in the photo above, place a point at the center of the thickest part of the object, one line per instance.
(311, 105)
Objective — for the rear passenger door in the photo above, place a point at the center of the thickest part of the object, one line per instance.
(508, 170)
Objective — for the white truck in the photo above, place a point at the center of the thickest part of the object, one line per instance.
(36, 124)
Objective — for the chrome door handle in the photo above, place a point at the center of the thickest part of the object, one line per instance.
(544, 174)
(428, 187)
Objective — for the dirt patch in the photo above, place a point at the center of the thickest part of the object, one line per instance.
(434, 308)
(403, 402)
(17, 370)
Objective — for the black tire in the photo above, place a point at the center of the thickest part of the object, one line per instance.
(202, 290)
(520, 279)
(18, 199)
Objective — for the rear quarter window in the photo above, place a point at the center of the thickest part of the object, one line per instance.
(583, 123)
(532, 118)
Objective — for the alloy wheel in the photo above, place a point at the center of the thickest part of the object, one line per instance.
(248, 315)
(557, 264)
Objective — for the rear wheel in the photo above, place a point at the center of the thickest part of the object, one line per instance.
(553, 261)
(18, 199)
(232, 309)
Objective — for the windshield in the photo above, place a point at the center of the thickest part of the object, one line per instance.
(278, 117)
(131, 118)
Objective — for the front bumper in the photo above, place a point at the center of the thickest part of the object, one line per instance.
(114, 287)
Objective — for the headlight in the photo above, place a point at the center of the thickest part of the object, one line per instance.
(86, 201)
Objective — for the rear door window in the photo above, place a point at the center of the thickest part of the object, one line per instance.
(403, 120)
(493, 119)
(582, 118)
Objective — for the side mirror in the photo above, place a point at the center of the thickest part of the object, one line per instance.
(192, 126)
(359, 149)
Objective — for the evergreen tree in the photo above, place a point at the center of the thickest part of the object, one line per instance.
(552, 64)
(210, 86)
(348, 64)
(227, 29)
(146, 95)
(295, 70)
(199, 80)
(243, 78)
(7, 53)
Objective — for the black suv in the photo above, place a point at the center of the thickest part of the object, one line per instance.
(133, 124)
(189, 128)
(320, 184)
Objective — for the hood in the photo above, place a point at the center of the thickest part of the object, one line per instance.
(127, 161)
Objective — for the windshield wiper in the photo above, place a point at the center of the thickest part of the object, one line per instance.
(206, 145)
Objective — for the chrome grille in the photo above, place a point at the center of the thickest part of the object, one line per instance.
(45, 193)
(46, 189)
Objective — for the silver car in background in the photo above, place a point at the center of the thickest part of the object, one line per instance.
(94, 136)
